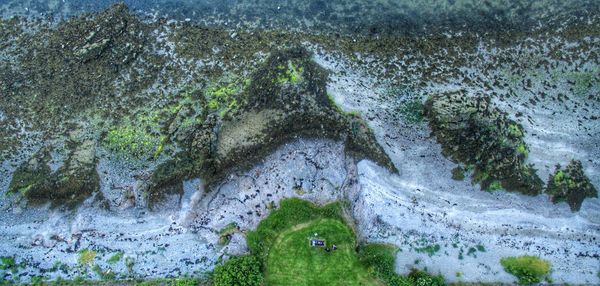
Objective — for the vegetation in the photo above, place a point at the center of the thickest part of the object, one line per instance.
(290, 213)
(242, 270)
(86, 257)
(527, 269)
(128, 139)
(226, 233)
(115, 258)
(458, 174)
(292, 261)
(570, 185)
(412, 111)
(292, 73)
(222, 97)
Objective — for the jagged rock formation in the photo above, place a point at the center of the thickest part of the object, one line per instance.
(571, 185)
(72, 183)
(286, 98)
(474, 133)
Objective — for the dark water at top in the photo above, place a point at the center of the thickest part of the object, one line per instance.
(343, 16)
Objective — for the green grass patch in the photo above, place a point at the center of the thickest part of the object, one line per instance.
(527, 269)
(115, 258)
(292, 261)
(290, 213)
(86, 257)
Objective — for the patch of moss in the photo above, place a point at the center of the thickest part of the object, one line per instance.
(412, 111)
(223, 96)
(429, 249)
(291, 73)
(458, 173)
(495, 186)
(115, 258)
(527, 269)
(226, 232)
(86, 257)
(130, 140)
(570, 185)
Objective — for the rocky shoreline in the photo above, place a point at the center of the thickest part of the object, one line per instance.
(117, 131)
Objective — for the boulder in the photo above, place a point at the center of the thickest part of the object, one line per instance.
(474, 133)
(570, 185)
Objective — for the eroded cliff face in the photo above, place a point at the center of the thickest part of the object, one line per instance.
(117, 131)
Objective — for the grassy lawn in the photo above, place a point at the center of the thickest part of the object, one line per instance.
(292, 261)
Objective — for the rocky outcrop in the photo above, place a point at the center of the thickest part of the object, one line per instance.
(570, 185)
(72, 183)
(474, 133)
(285, 99)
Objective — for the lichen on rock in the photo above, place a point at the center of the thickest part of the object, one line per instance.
(284, 99)
(473, 132)
(72, 183)
(570, 185)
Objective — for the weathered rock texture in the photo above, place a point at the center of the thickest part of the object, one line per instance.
(285, 99)
(474, 133)
(72, 183)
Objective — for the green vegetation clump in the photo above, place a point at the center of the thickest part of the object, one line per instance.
(379, 259)
(226, 232)
(429, 249)
(222, 97)
(290, 74)
(412, 111)
(8, 263)
(570, 185)
(130, 140)
(115, 258)
(475, 133)
(86, 257)
(495, 186)
(422, 278)
(243, 270)
(527, 269)
(458, 173)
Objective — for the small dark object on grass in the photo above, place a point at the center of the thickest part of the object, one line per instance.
(327, 249)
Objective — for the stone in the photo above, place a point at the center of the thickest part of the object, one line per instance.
(570, 185)
(473, 132)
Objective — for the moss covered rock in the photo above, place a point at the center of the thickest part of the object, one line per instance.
(570, 185)
(72, 183)
(473, 132)
(284, 99)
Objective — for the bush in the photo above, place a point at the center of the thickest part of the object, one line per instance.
(528, 269)
(241, 270)
(422, 278)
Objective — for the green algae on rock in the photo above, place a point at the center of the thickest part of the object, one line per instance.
(570, 185)
(284, 99)
(72, 183)
(473, 132)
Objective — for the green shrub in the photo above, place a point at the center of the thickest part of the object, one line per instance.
(241, 270)
(422, 278)
(528, 269)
